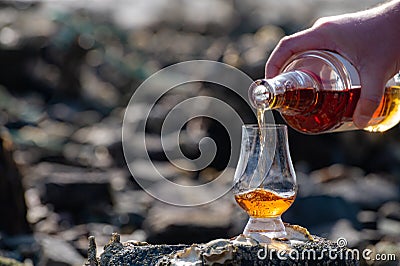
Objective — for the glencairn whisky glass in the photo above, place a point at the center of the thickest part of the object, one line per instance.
(265, 180)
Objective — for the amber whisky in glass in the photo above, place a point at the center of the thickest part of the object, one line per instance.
(265, 180)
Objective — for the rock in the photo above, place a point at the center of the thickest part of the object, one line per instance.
(88, 155)
(103, 133)
(370, 236)
(149, 172)
(320, 213)
(56, 251)
(344, 229)
(67, 191)
(90, 192)
(20, 247)
(389, 227)
(48, 135)
(174, 225)
(77, 237)
(72, 115)
(336, 172)
(389, 253)
(369, 192)
(131, 208)
(36, 210)
(390, 210)
(367, 219)
(10, 262)
(306, 186)
(49, 225)
(189, 192)
(138, 236)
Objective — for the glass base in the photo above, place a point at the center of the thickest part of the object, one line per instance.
(264, 229)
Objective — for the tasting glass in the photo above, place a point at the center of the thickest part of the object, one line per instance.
(265, 180)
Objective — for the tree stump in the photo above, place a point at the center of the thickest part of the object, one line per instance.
(12, 201)
(299, 248)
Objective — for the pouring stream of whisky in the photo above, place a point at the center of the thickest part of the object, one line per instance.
(261, 119)
(262, 160)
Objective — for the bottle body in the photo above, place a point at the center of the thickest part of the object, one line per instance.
(317, 92)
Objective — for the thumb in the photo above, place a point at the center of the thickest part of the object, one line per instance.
(372, 90)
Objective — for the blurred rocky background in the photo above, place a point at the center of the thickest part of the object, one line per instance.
(67, 72)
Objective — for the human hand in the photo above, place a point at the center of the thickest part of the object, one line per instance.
(370, 40)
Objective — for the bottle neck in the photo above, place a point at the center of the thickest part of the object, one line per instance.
(284, 92)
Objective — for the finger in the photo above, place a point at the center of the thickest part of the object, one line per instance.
(302, 41)
(371, 94)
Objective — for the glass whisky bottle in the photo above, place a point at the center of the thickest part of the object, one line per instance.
(317, 92)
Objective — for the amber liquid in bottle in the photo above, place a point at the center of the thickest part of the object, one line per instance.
(387, 115)
(317, 92)
(262, 203)
(313, 112)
